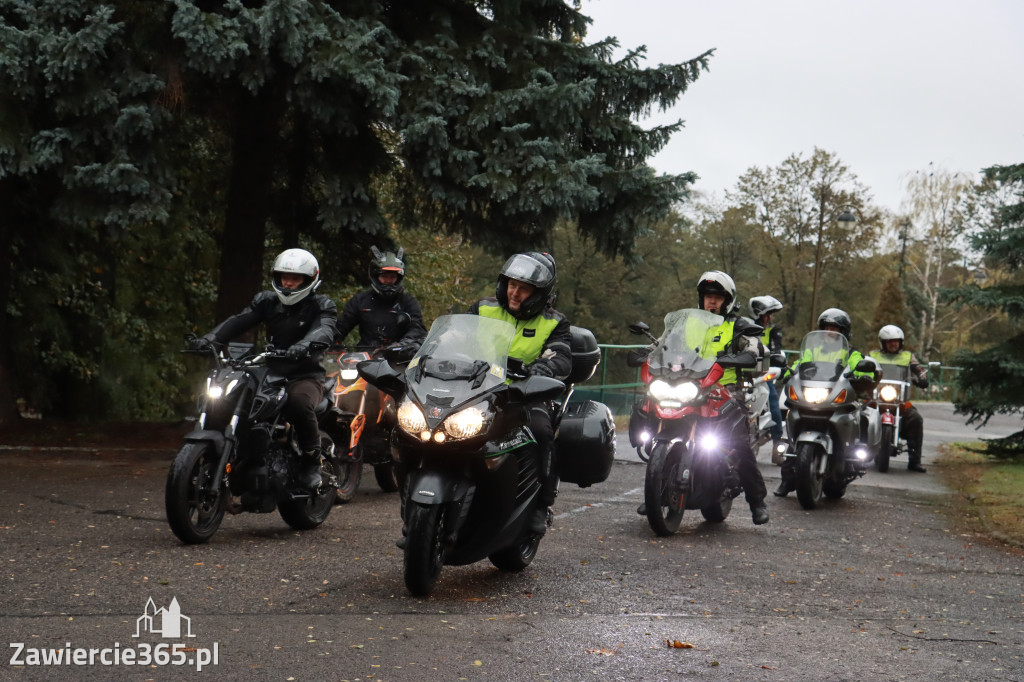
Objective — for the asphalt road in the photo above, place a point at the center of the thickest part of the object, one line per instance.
(880, 585)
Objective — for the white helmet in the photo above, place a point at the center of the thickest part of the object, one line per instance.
(296, 262)
(717, 282)
(762, 305)
(890, 332)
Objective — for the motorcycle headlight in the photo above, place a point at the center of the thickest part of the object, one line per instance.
(410, 418)
(215, 391)
(683, 393)
(888, 393)
(349, 374)
(815, 394)
(466, 423)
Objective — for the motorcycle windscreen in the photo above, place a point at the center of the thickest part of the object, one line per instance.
(823, 356)
(895, 372)
(687, 338)
(462, 355)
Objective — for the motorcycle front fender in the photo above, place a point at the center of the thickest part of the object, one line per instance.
(816, 437)
(214, 438)
(433, 487)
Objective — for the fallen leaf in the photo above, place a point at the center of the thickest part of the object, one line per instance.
(676, 644)
(603, 651)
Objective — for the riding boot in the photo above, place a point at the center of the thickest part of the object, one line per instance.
(915, 463)
(788, 475)
(542, 516)
(759, 512)
(309, 470)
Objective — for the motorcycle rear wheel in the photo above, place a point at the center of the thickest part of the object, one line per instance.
(716, 513)
(518, 556)
(387, 476)
(193, 499)
(424, 548)
(809, 481)
(663, 498)
(885, 451)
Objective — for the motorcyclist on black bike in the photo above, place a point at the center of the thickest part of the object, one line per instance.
(543, 344)
(890, 342)
(832, 320)
(376, 311)
(301, 321)
(761, 309)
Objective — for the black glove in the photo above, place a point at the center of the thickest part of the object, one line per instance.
(200, 344)
(637, 356)
(298, 351)
(922, 382)
(540, 369)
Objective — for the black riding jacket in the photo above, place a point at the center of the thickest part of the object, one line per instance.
(377, 320)
(311, 320)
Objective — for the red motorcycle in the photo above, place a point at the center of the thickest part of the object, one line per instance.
(682, 428)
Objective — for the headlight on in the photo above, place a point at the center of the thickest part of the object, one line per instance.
(410, 418)
(465, 423)
(815, 394)
(215, 391)
(349, 374)
(684, 393)
(887, 393)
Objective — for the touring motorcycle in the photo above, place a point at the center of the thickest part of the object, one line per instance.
(242, 455)
(678, 426)
(834, 434)
(468, 461)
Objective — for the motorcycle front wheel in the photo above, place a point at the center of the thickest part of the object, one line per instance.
(885, 451)
(350, 473)
(424, 548)
(663, 497)
(809, 479)
(193, 498)
(387, 476)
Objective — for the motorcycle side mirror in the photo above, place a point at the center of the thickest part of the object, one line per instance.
(399, 355)
(777, 360)
(535, 389)
(866, 365)
(382, 375)
(639, 328)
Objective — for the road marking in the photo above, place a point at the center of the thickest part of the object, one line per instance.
(622, 497)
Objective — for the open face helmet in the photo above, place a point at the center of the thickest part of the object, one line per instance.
(838, 318)
(534, 268)
(890, 332)
(295, 262)
(717, 282)
(764, 305)
(386, 261)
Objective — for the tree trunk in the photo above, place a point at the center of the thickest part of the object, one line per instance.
(253, 157)
(8, 407)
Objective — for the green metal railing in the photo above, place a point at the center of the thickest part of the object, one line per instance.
(619, 396)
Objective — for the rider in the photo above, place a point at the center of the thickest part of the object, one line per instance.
(543, 343)
(376, 310)
(762, 308)
(835, 321)
(890, 341)
(302, 322)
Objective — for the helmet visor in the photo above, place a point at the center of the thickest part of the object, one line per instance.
(527, 269)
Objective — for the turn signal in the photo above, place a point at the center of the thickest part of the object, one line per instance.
(841, 398)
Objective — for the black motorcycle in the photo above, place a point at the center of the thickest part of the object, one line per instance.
(242, 455)
(469, 463)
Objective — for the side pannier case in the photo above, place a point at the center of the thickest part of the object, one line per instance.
(586, 443)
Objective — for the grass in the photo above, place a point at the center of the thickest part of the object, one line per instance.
(990, 491)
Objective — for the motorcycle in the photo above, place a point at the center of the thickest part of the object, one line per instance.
(242, 455)
(892, 398)
(834, 435)
(366, 442)
(469, 463)
(757, 394)
(678, 426)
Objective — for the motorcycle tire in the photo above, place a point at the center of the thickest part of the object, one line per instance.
(193, 499)
(885, 451)
(387, 476)
(309, 512)
(424, 548)
(662, 496)
(350, 473)
(518, 556)
(833, 490)
(809, 480)
(716, 513)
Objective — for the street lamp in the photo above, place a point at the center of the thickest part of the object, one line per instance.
(846, 216)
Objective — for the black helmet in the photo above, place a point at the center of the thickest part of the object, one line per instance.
(717, 282)
(386, 262)
(763, 305)
(533, 268)
(838, 318)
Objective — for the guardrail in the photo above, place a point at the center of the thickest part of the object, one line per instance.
(620, 385)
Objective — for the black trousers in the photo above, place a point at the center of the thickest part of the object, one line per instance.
(543, 430)
(912, 426)
(300, 410)
(733, 416)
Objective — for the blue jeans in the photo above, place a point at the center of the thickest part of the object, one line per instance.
(773, 407)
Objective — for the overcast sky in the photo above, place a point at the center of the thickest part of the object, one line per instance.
(889, 86)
